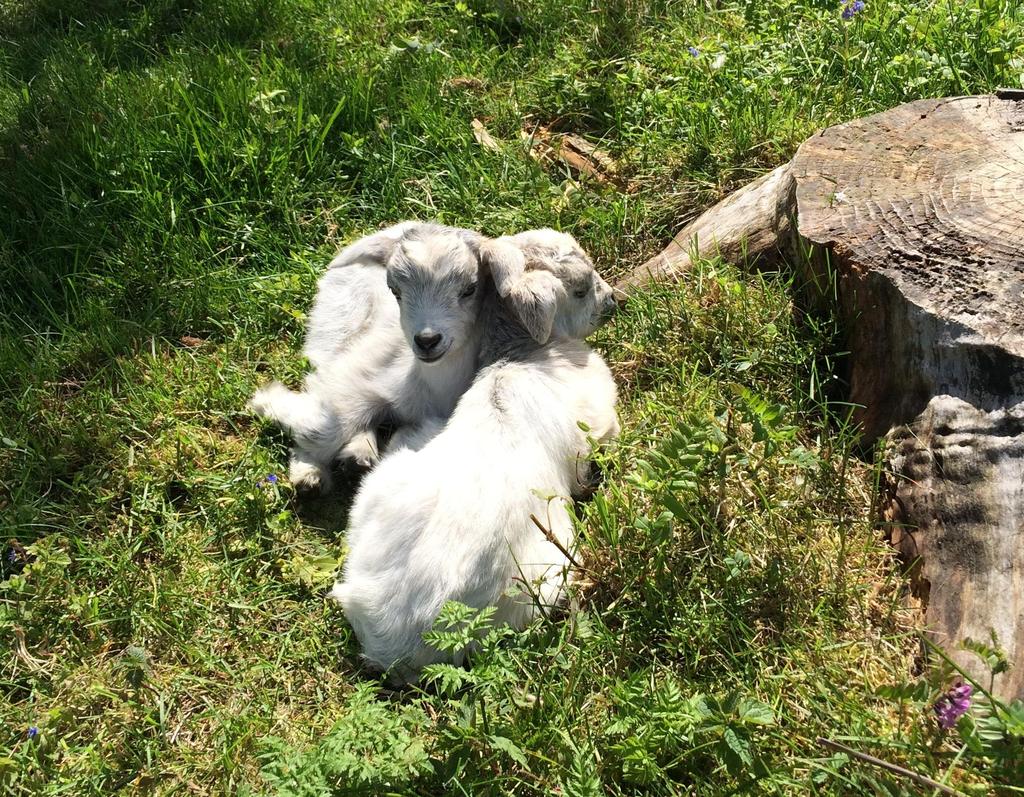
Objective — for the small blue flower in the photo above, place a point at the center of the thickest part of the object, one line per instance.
(694, 51)
(850, 9)
(33, 732)
(270, 478)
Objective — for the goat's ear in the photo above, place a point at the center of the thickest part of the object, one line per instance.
(505, 262)
(473, 240)
(533, 298)
(375, 248)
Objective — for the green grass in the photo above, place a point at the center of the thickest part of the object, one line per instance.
(173, 178)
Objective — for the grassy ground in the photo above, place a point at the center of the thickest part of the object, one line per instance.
(173, 178)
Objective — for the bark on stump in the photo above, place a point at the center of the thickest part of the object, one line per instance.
(917, 215)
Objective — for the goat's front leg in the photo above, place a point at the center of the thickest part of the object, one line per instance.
(365, 418)
(316, 432)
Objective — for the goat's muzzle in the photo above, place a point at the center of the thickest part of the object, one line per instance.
(428, 345)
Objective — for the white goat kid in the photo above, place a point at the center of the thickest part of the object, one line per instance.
(451, 521)
(372, 363)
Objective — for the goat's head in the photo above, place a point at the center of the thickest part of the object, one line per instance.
(436, 275)
(549, 283)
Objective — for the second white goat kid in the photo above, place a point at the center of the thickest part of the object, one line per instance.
(374, 363)
(451, 521)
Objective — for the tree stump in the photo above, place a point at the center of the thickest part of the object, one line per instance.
(916, 217)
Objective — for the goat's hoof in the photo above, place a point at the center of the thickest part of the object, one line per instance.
(366, 462)
(363, 454)
(258, 405)
(310, 479)
(263, 400)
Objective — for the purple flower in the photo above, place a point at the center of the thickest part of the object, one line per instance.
(270, 478)
(33, 732)
(852, 8)
(12, 556)
(694, 51)
(953, 705)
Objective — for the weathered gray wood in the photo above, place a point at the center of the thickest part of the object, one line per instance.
(955, 508)
(753, 225)
(917, 214)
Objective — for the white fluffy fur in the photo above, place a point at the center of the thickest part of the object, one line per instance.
(451, 521)
(367, 369)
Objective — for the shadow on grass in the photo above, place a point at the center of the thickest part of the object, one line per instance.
(328, 514)
(128, 35)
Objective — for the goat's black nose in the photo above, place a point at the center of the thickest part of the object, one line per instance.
(427, 341)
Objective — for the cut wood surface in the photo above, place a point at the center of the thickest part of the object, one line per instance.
(916, 215)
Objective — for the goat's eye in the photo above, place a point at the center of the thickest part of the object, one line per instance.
(397, 293)
(469, 291)
(579, 293)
